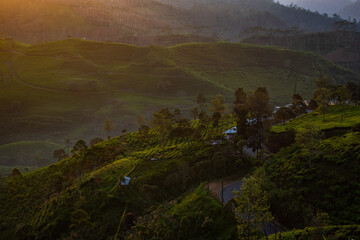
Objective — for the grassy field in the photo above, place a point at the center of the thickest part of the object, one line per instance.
(332, 119)
(30, 154)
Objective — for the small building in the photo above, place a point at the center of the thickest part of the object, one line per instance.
(230, 133)
(124, 181)
(332, 102)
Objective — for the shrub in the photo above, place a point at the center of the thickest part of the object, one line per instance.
(356, 128)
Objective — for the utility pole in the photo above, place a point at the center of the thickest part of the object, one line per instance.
(222, 191)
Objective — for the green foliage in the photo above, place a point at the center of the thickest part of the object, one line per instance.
(330, 232)
(79, 197)
(195, 215)
(321, 177)
(251, 210)
(333, 119)
(79, 147)
(217, 104)
(283, 114)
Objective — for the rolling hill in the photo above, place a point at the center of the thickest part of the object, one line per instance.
(341, 47)
(144, 22)
(67, 88)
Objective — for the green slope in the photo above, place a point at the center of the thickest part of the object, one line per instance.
(44, 202)
(68, 88)
(351, 117)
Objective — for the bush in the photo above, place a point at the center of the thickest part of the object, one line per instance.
(356, 128)
(276, 141)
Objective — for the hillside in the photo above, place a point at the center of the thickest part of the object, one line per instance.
(145, 22)
(341, 47)
(66, 89)
(351, 115)
(80, 196)
(83, 82)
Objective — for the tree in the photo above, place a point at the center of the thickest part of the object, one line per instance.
(313, 104)
(217, 104)
(67, 142)
(141, 120)
(324, 81)
(251, 210)
(283, 114)
(162, 122)
(240, 97)
(60, 154)
(108, 126)
(343, 96)
(177, 116)
(240, 112)
(216, 118)
(259, 108)
(201, 101)
(15, 173)
(297, 100)
(322, 96)
(354, 91)
(195, 112)
(79, 147)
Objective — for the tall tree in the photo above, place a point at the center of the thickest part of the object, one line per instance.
(343, 96)
(354, 91)
(240, 113)
(195, 112)
(284, 114)
(201, 101)
(297, 100)
(163, 123)
(259, 108)
(322, 96)
(108, 126)
(79, 147)
(240, 97)
(217, 104)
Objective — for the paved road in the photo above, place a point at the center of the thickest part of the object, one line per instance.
(229, 189)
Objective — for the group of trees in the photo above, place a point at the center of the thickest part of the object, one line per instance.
(327, 93)
(250, 113)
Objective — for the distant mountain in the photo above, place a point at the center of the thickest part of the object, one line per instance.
(145, 22)
(323, 6)
(352, 10)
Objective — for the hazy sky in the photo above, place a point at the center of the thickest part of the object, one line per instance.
(322, 6)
